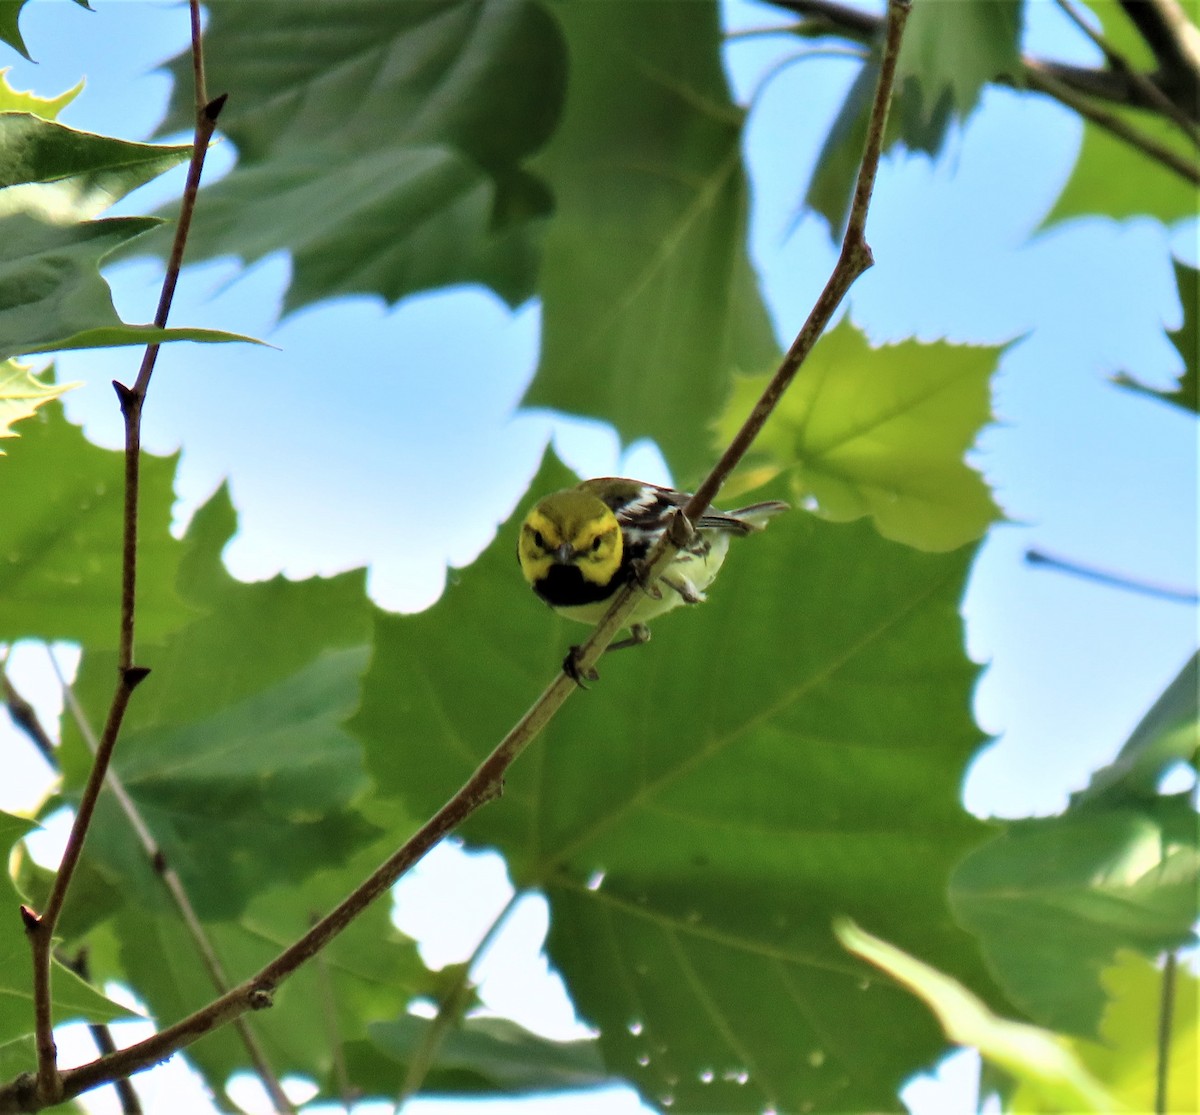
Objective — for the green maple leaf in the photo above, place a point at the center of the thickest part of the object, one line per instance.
(880, 432)
(788, 751)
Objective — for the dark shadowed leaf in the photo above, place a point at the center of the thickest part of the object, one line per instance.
(481, 1055)
(52, 296)
(772, 759)
(1054, 898)
(234, 749)
(387, 142)
(650, 303)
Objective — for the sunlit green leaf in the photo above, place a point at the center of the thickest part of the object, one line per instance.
(60, 561)
(63, 174)
(21, 393)
(880, 432)
(14, 100)
(1126, 1059)
(1048, 1071)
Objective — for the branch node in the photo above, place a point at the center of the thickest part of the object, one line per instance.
(680, 530)
(125, 396)
(133, 676)
(261, 998)
(213, 109)
(31, 920)
(159, 862)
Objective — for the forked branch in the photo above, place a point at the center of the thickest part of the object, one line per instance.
(47, 1088)
(486, 782)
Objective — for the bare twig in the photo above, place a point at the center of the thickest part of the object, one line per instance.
(1176, 37)
(1151, 92)
(171, 881)
(450, 1008)
(486, 782)
(333, 1034)
(102, 1036)
(25, 718)
(1175, 41)
(1045, 82)
(1163, 592)
(40, 927)
(1166, 1013)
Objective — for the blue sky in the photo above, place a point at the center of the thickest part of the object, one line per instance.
(391, 437)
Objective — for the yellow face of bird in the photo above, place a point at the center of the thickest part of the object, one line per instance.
(570, 528)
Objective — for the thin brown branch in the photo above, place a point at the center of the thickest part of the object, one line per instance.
(486, 783)
(174, 887)
(450, 1009)
(1149, 90)
(1045, 82)
(827, 17)
(40, 928)
(25, 717)
(1175, 41)
(102, 1036)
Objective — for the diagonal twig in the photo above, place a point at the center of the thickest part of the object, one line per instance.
(1079, 88)
(485, 784)
(1104, 577)
(40, 926)
(450, 1008)
(1118, 62)
(173, 885)
(102, 1036)
(25, 717)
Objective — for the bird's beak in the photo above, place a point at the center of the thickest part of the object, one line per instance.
(564, 554)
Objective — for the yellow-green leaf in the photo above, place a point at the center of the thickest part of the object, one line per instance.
(1127, 1059)
(880, 432)
(48, 108)
(21, 393)
(1048, 1071)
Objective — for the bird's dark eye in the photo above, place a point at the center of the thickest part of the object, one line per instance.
(538, 540)
(595, 543)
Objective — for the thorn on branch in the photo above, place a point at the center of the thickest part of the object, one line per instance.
(133, 676)
(31, 920)
(125, 396)
(213, 109)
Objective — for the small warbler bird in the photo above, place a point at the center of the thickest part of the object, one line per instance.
(578, 547)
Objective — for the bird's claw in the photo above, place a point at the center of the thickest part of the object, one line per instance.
(571, 669)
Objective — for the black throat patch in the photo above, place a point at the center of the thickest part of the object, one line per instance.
(564, 586)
